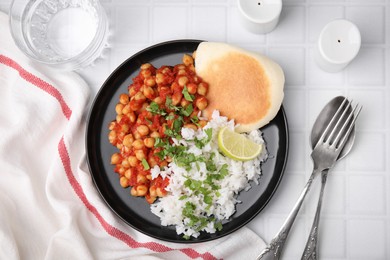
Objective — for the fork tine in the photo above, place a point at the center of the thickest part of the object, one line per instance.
(347, 133)
(327, 129)
(339, 121)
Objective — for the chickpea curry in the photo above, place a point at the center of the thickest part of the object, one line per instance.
(159, 103)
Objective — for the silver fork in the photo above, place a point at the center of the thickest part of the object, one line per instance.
(311, 249)
(324, 156)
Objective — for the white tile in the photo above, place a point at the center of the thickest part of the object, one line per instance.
(372, 29)
(366, 239)
(317, 77)
(137, 24)
(332, 238)
(374, 113)
(293, 67)
(334, 193)
(165, 18)
(367, 194)
(294, 104)
(319, 16)
(368, 67)
(237, 32)
(209, 23)
(368, 153)
(291, 27)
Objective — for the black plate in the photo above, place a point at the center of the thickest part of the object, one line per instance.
(136, 211)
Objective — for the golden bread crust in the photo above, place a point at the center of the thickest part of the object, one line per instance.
(243, 86)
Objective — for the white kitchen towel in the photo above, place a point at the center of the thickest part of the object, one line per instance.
(49, 207)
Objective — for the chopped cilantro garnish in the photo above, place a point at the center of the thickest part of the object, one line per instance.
(187, 95)
(155, 109)
(145, 164)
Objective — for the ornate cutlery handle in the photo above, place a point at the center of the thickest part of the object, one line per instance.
(311, 248)
(274, 249)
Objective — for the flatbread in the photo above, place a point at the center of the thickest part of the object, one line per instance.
(243, 85)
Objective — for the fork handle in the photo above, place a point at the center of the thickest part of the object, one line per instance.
(311, 248)
(274, 249)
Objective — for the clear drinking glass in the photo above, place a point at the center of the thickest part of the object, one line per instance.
(65, 34)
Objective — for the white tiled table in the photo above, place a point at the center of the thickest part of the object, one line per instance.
(356, 211)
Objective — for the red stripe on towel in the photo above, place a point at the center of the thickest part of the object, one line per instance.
(65, 158)
(36, 81)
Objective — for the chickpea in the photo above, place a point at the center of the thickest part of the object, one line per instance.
(194, 55)
(124, 99)
(137, 135)
(152, 162)
(141, 178)
(140, 154)
(192, 88)
(163, 163)
(112, 137)
(150, 82)
(202, 123)
(133, 192)
(138, 144)
(158, 100)
(115, 158)
(146, 73)
(176, 98)
(181, 72)
(143, 130)
(132, 116)
(187, 60)
(160, 192)
(184, 102)
(155, 134)
(133, 161)
(146, 66)
(111, 126)
(132, 92)
(182, 81)
(135, 105)
(125, 164)
(139, 97)
(201, 103)
(149, 177)
(119, 118)
(124, 182)
(128, 140)
(121, 170)
(152, 191)
(142, 190)
(118, 108)
(159, 78)
(144, 106)
(149, 142)
(148, 92)
(125, 128)
(191, 126)
(202, 88)
(166, 70)
(150, 199)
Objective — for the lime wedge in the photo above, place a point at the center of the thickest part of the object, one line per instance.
(237, 146)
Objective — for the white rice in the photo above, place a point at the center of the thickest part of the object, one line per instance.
(170, 208)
